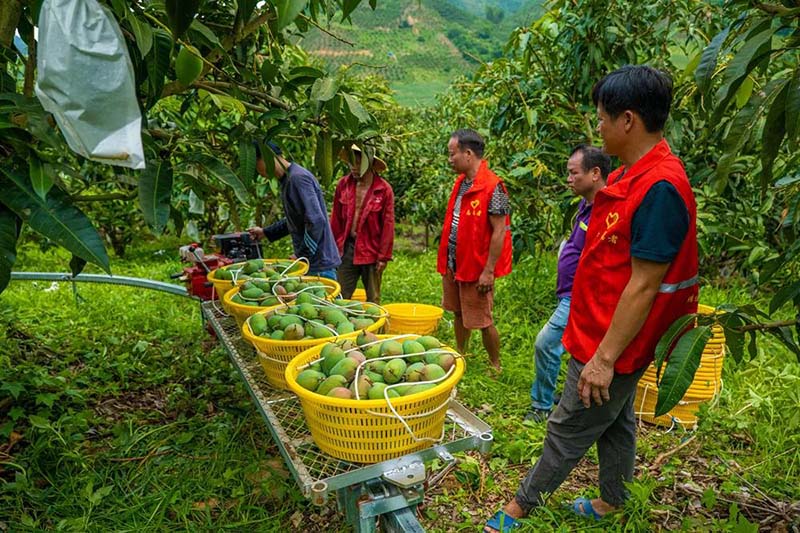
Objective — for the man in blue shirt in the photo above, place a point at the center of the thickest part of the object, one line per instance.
(305, 216)
(587, 170)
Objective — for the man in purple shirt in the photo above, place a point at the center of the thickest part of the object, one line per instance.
(587, 169)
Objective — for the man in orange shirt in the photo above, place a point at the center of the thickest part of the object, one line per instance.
(475, 247)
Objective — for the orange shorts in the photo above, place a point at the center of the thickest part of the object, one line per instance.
(462, 297)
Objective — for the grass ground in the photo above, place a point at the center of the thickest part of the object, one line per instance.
(119, 413)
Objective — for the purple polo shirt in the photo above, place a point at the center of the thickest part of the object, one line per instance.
(571, 252)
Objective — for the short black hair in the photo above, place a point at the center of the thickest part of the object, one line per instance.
(639, 88)
(469, 139)
(593, 157)
(272, 146)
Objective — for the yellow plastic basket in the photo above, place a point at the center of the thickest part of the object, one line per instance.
(706, 385)
(274, 355)
(367, 431)
(222, 286)
(421, 319)
(359, 295)
(241, 312)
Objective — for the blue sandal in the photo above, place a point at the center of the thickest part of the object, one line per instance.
(583, 507)
(502, 522)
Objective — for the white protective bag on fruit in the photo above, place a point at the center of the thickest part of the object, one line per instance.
(85, 79)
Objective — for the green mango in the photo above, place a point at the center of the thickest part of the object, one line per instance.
(258, 324)
(310, 379)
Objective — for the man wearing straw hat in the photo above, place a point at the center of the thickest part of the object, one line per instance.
(305, 214)
(636, 276)
(362, 221)
(475, 247)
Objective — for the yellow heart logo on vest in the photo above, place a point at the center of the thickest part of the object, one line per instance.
(611, 219)
(475, 203)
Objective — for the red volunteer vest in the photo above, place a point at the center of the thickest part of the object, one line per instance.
(605, 265)
(474, 229)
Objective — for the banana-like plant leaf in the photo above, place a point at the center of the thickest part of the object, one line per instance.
(681, 367)
(180, 14)
(247, 161)
(155, 187)
(10, 225)
(158, 65)
(772, 136)
(54, 217)
(667, 340)
(220, 171)
(708, 61)
(41, 176)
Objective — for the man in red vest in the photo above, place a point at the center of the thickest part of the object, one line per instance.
(637, 274)
(475, 247)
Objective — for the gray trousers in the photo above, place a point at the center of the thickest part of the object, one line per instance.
(348, 275)
(571, 431)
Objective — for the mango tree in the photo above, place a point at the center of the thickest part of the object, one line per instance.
(212, 79)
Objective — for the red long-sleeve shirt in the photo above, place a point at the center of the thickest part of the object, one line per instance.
(375, 227)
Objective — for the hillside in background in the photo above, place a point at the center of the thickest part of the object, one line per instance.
(420, 47)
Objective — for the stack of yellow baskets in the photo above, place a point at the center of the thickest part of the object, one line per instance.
(420, 319)
(706, 385)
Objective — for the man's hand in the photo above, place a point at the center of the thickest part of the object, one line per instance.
(485, 282)
(256, 233)
(380, 266)
(595, 379)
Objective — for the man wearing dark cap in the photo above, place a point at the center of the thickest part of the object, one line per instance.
(305, 215)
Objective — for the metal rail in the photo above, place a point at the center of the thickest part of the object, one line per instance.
(142, 283)
(317, 473)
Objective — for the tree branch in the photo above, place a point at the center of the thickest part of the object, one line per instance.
(106, 197)
(252, 92)
(212, 89)
(768, 325)
(10, 12)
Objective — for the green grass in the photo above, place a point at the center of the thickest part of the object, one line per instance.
(125, 415)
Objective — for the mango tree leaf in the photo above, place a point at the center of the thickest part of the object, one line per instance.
(734, 337)
(744, 91)
(708, 61)
(783, 295)
(667, 340)
(143, 33)
(202, 32)
(247, 161)
(324, 89)
(681, 367)
(180, 14)
(158, 64)
(793, 109)
(772, 136)
(245, 10)
(356, 108)
(219, 170)
(348, 6)
(10, 226)
(755, 49)
(55, 218)
(155, 188)
(76, 265)
(41, 176)
(288, 11)
(786, 337)
(224, 102)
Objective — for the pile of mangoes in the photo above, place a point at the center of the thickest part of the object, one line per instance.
(269, 292)
(254, 268)
(312, 319)
(391, 368)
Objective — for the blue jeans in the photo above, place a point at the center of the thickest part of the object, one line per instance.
(330, 273)
(548, 356)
